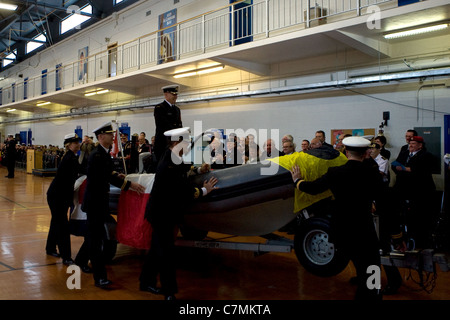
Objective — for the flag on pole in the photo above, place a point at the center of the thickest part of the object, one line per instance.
(115, 147)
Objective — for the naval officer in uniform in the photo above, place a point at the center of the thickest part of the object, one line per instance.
(171, 194)
(167, 117)
(60, 199)
(100, 175)
(355, 186)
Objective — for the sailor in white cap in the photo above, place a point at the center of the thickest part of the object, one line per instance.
(354, 186)
(60, 199)
(167, 117)
(171, 193)
(100, 174)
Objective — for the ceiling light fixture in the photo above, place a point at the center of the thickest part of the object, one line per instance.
(99, 91)
(6, 6)
(42, 104)
(415, 31)
(10, 110)
(199, 71)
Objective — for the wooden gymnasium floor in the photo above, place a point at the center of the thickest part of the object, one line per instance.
(27, 273)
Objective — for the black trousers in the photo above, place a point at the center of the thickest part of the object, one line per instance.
(59, 232)
(160, 260)
(82, 257)
(94, 241)
(11, 164)
(362, 260)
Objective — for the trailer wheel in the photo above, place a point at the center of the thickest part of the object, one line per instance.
(314, 250)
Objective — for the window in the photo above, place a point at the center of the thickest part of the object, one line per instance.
(117, 1)
(30, 46)
(75, 19)
(9, 58)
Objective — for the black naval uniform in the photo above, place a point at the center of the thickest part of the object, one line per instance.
(60, 199)
(418, 187)
(100, 175)
(167, 117)
(354, 186)
(11, 157)
(171, 194)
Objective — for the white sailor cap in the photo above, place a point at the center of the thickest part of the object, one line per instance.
(106, 128)
(175, 134)
(355, 143)
(71, 137)
(172, 88)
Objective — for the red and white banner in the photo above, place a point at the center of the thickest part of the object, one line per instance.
(132, 228)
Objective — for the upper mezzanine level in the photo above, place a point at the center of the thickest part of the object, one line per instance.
(250, 41)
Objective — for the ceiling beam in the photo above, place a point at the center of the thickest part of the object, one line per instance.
(369, 46)
(259, 69)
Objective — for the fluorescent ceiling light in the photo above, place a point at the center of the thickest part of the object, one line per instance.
(7, 6)
(413, 32)
(42, 104)
(209, 70)
(185, 74)
(199, 71)
(10, 110)
(99, 91)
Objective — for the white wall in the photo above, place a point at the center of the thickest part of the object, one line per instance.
(299, 115)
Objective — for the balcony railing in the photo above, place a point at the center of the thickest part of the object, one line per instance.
(219, 29)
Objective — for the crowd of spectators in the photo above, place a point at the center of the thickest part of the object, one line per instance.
(51, 155)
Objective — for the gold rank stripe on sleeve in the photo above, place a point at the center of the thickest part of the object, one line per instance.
(397, 236)
(298, 183)
(124, 185)
(197, 193)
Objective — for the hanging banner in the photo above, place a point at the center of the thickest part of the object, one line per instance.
(82, 64)
(167, 37)
(58, 77)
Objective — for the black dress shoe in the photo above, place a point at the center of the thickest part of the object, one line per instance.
(85, 268)
(68, 262)
(103, 283)
(53, 254)
(170, 297)
(151, 289)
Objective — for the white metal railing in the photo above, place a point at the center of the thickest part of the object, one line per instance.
(214, 30)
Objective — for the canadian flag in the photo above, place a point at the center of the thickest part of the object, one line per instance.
(115, 147)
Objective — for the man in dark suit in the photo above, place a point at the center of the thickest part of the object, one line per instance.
(355, 186)
(100, 175)
(270, 150)
(415, 183)
(171, 194)
(320, 134)
(11, 154)
(404, 150)
(167, 117)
